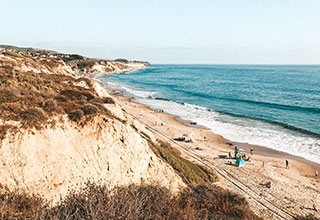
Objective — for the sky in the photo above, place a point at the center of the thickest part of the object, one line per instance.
(169, 31)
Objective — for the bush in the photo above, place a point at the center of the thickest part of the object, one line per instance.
(13, 54)
(31, 98)
(49, 106)
(72, 57)
(4, 129)
(90, 110)
(76, 115)
(33, 117)
(77, 95)
(107, 100)
(129, 202)
(86, 64)
(7, 96)
(122, 60)
(308, 217)
(191, 173)
(20, 205)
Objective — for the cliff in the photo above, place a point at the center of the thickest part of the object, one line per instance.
(47, 61)
(59, 130)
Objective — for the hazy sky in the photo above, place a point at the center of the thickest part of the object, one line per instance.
(163, 31)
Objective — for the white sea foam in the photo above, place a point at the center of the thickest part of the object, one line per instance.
(131, 91)
(235, 128)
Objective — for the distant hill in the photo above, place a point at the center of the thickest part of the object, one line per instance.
(9, 47)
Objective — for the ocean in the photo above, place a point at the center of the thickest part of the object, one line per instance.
(276, 106)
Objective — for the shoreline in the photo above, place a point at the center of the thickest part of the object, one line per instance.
(258, 149)
(296, 189)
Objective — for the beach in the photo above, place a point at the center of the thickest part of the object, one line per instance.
(294, 191)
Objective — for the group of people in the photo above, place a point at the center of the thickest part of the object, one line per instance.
(238, 154)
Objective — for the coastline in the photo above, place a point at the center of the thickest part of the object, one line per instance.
(258, 149)
(268, 165)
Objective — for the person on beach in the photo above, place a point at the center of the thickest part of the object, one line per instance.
(251, 151)
(236, 151)
(316, 173)
(287, 164)
(268, 185)
(229, 154)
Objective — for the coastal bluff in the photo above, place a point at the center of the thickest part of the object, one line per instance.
(59, 130)
(72, 149)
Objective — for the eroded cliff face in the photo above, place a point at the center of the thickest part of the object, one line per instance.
(17, 62)
(106, 151)
(58, 131)
(93, 67)
(51, 62)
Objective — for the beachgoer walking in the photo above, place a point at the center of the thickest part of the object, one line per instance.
(287, 164)
(251, 151)
(316, 173)
(229, 154)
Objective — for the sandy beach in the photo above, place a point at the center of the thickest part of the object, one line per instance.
(294, 191)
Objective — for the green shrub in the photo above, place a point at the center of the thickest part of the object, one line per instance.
(191, 173)
(12, 53)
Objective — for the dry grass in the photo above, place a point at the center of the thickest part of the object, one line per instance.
(308, 217)
(33, 98)
(191, 173)
(130, 202)
(12, 53)
(4, 130)
(86, 63)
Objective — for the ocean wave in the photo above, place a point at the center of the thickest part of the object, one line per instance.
(281, 124)
(130, 91)
(273, 135)
(268, 133)
(260, 103)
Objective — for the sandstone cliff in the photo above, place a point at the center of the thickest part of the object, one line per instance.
(58, 130)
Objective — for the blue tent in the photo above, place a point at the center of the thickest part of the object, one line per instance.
(240, 162)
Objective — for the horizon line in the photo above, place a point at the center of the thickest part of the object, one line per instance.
(266, 64)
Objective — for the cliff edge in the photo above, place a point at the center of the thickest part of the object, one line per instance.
(59, 129)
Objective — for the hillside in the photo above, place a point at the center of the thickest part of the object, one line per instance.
(67, 148)
(58, 130)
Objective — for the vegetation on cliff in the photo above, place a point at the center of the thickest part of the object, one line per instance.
(33, 99)
(30, 100)
(130, 202)
(191, 173)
